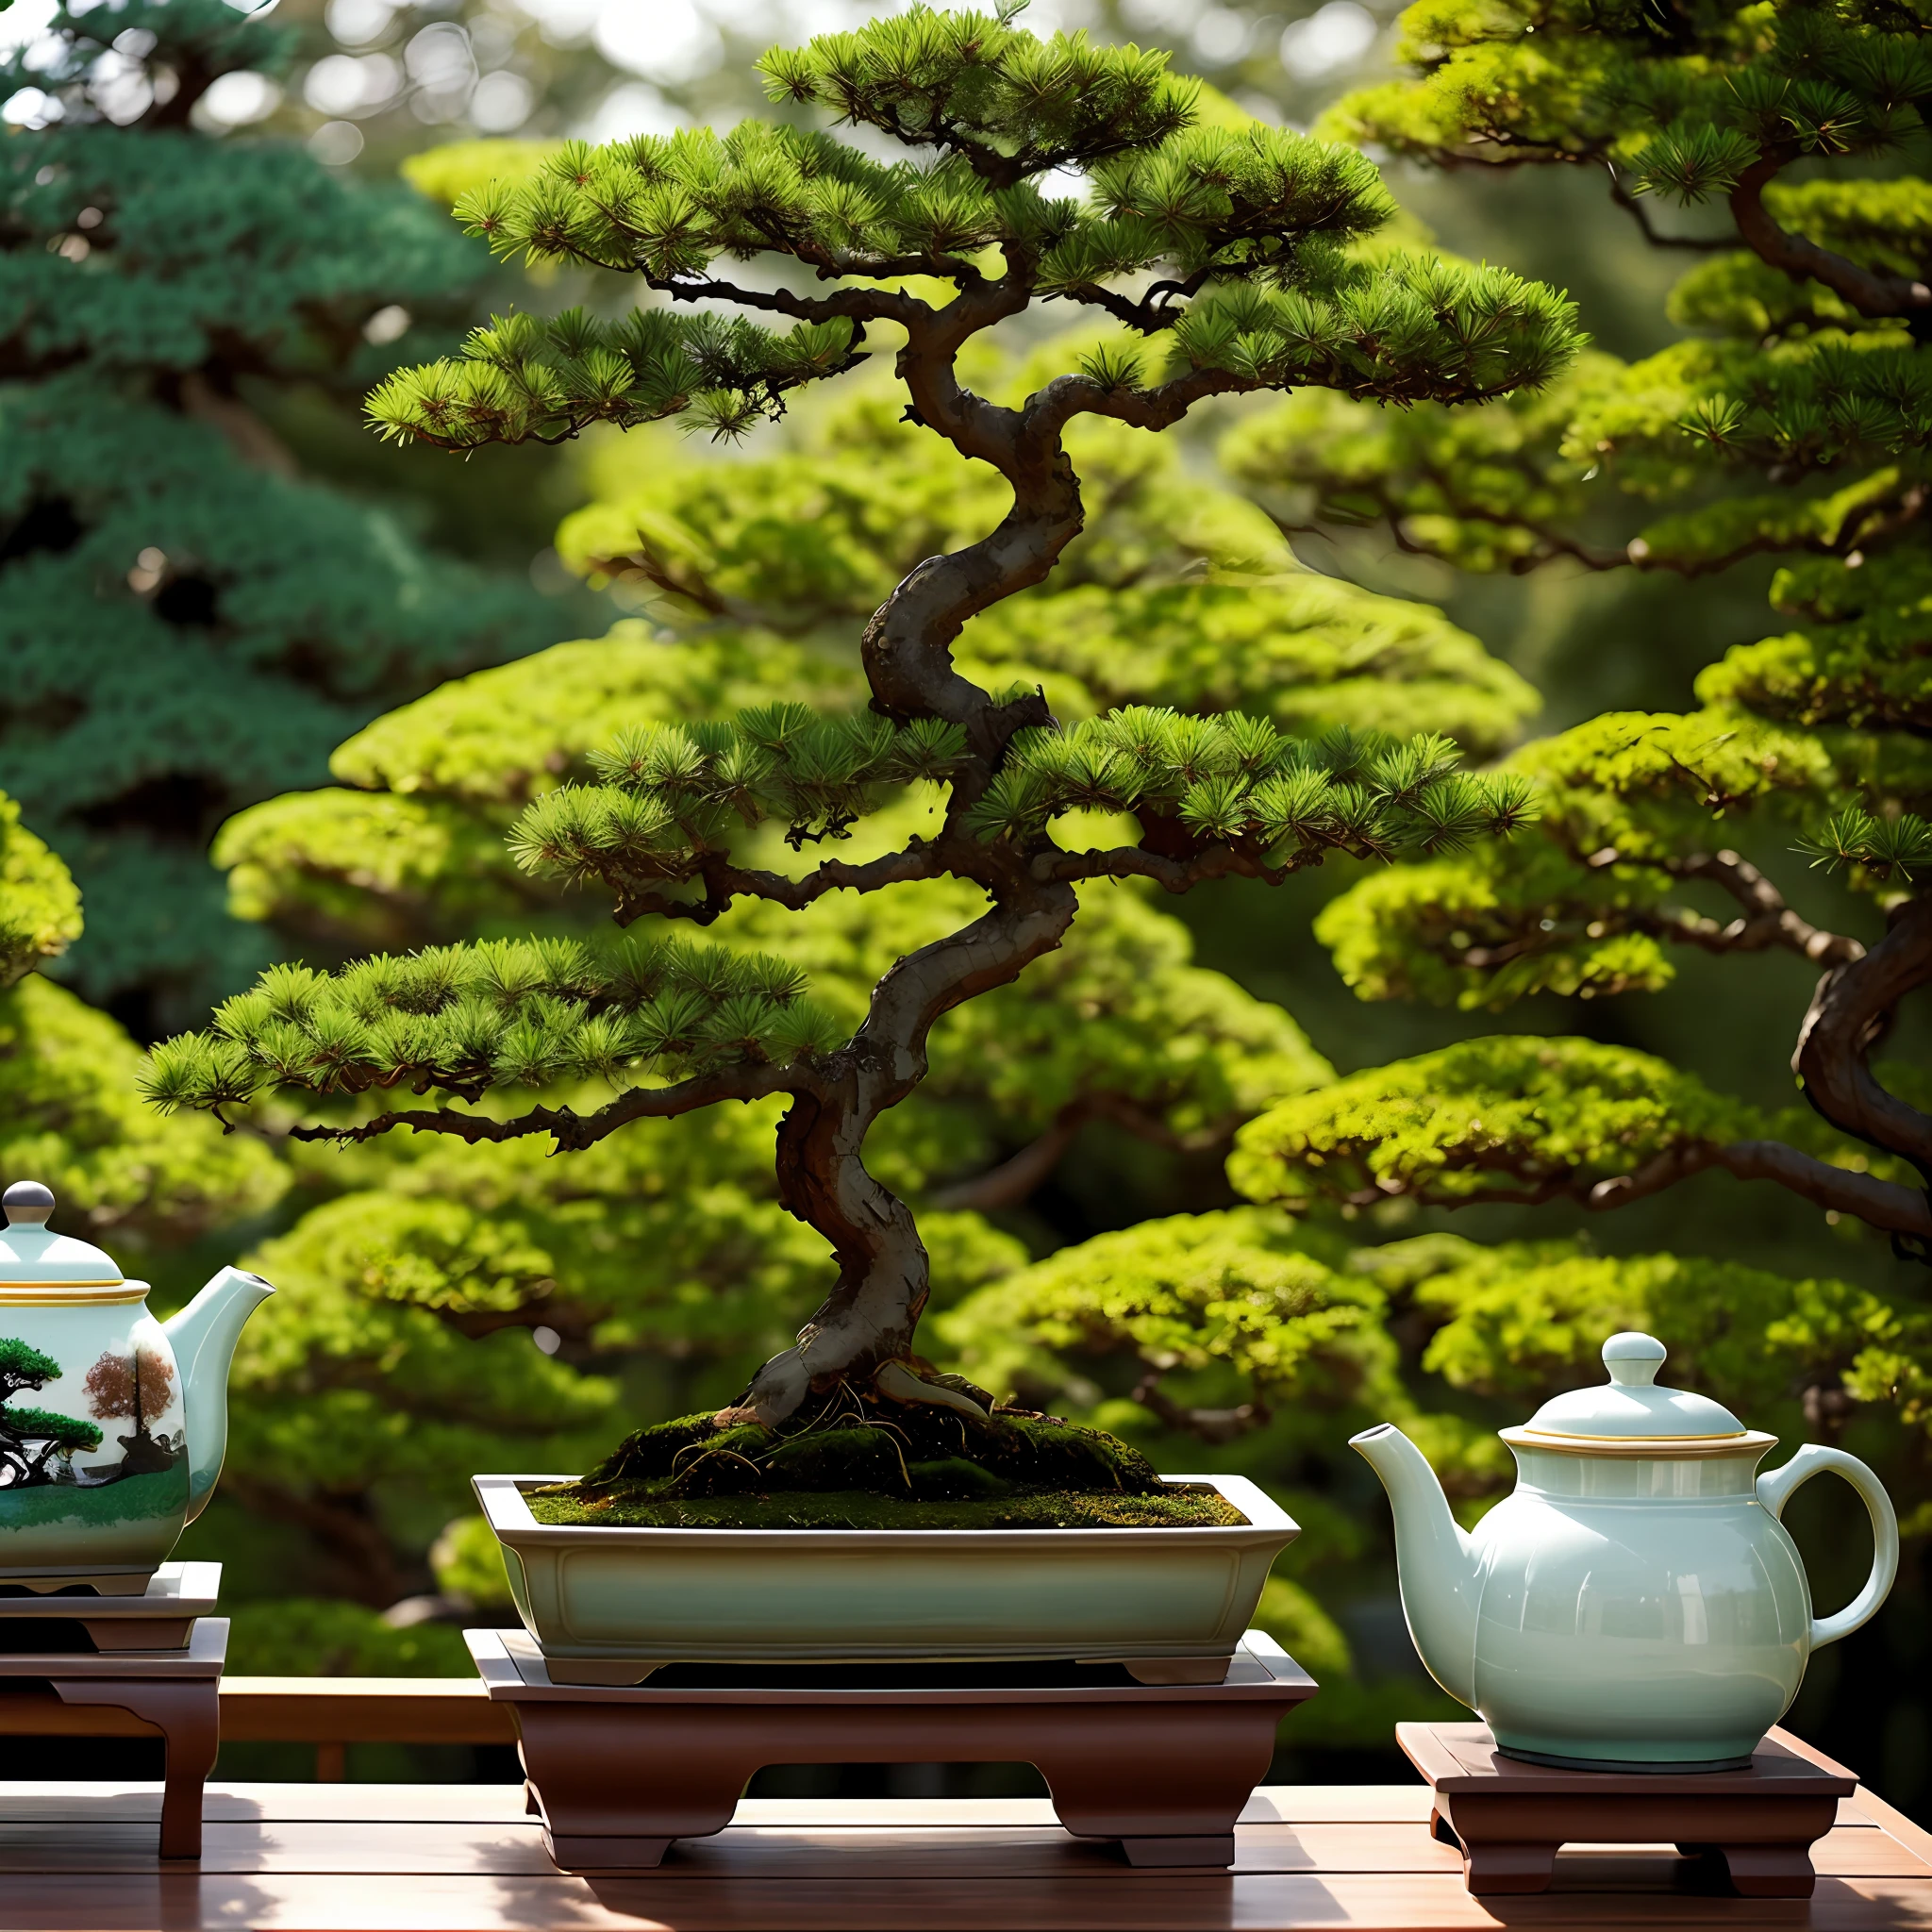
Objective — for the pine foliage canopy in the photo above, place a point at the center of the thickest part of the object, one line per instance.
(1242, 230)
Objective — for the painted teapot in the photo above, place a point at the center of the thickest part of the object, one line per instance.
(112, 1425)
(1635, 1603)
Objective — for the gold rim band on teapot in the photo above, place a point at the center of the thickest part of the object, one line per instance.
(70, 1295)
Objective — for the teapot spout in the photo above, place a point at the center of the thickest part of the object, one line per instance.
(1440, 1577)
(202, 1336)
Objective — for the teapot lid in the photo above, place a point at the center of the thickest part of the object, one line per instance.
(1630, 1415)
(41, 1268)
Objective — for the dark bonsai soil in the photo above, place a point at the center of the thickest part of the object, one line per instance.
(853, 1467)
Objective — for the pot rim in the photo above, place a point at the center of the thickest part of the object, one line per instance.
(508, 1515)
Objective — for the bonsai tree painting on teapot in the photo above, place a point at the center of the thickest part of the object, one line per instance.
(32, 1439)
(1635, 1604)
(112, 1425)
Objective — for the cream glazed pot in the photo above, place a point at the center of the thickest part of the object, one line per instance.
(1635, 1604)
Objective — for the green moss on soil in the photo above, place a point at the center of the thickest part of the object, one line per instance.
(635, 1507)
(884, 1467)
(935, 1454)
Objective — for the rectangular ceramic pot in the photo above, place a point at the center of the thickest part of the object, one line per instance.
(594, 1596)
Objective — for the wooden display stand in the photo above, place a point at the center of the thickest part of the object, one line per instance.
(1509, 1819)
(617, 1773)
(125, 1666)
(156, 1617)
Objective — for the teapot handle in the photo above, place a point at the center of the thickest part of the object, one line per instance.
(1775, 1491)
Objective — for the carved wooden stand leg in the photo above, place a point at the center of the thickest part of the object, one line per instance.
(1496, 1867)
(1178, 1810)
(614, 1786)
(1499, 1865)
(187, 1714)
(1771, 1871)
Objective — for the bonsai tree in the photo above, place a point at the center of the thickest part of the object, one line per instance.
(1247, 234)
(1795, 427)
(662, 1265)
(21, 1368)
(189, 623)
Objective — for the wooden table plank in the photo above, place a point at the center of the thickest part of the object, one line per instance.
(824, 1852)
(407, 1848)
(483, 1803)
(1894, 1824)
(1083, 1901)
(82, 1802)
(465, 1858)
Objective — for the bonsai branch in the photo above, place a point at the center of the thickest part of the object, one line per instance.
(1175, 873)
(724, 882)
(1633, 207)
(571, 1132)
(1160, 408)
(1765, 920)
(1890, 1206)
(844, 305)
(1869, 293)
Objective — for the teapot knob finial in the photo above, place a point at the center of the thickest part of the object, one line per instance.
(1633, 1360)
(27, 1203)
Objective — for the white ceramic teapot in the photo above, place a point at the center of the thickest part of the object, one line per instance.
(1635, 1603)
(112, 1425)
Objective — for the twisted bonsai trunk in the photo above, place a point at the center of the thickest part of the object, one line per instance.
(868, 1318)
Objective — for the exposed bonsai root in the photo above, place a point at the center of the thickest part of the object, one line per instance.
(937, 1444)
(897, 1383)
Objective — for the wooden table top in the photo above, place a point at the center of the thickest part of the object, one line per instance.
(321, 1857)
